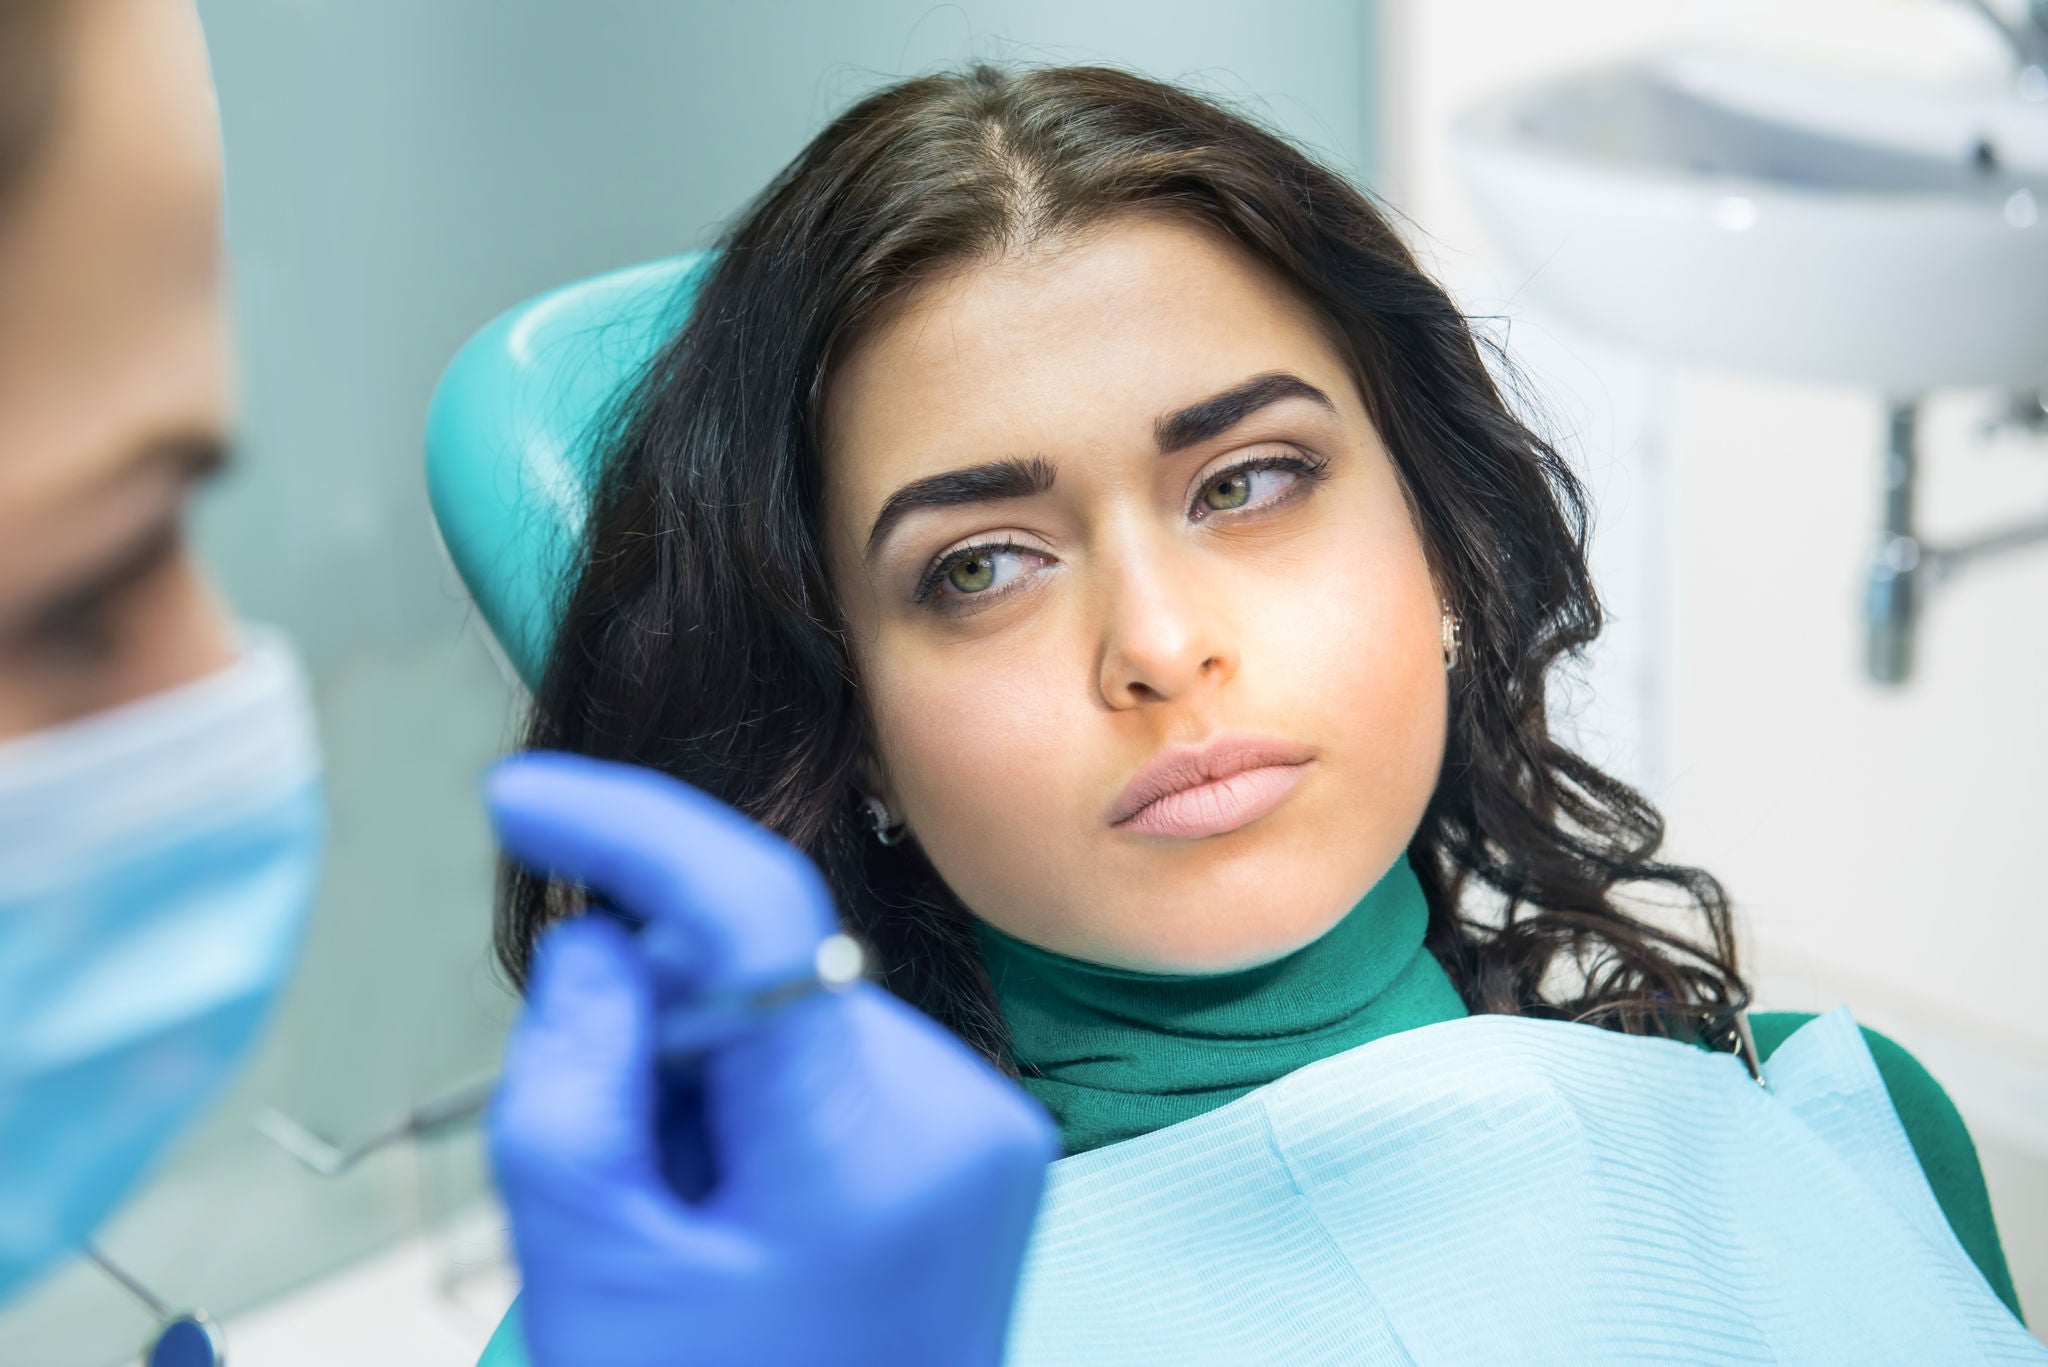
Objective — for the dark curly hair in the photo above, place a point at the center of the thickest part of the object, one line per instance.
(700, 634)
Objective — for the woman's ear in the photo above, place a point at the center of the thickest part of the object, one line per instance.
(884, 818)
(874, 781)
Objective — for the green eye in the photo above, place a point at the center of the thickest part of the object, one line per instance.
(972, 575)
(1232, 491)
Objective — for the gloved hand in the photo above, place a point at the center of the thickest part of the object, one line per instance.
(860, 1184)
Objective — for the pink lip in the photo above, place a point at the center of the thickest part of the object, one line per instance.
(1208, 789)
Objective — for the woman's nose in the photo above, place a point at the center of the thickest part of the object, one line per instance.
(1165, 630)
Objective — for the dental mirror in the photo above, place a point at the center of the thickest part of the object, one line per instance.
(184, 1338)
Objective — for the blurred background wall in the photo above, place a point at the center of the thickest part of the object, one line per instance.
(398, 172)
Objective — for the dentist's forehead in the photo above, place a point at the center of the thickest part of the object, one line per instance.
(112, 321)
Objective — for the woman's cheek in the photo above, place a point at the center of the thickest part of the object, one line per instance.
(1410, 718)
(985, 777)
(971, 747)
(1375, 654)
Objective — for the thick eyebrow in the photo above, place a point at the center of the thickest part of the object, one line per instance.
(986, 483)
(1026, 477)
(1218, 413)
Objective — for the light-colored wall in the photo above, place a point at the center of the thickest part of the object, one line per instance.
(1883, 847)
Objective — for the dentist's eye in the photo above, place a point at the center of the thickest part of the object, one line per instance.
(86, 627)
(1234, 488)
(79, 635)
(973, 573)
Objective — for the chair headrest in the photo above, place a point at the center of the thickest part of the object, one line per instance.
(511, 437)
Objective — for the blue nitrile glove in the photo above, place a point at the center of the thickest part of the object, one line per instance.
(871, 1181)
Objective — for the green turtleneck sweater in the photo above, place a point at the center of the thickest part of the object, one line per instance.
(1114, 1053)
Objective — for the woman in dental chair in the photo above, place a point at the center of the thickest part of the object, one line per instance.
(1071, 518)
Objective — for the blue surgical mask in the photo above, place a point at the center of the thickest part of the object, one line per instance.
(157, 865)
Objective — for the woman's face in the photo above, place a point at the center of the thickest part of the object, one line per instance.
(114, 381)
(1202, 536)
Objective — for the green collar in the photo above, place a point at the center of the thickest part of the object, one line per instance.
(1114, 1053)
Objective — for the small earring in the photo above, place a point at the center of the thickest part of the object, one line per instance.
(878, 820)
(1451, 633)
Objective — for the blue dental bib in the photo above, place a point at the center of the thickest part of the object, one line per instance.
(1499, 1189)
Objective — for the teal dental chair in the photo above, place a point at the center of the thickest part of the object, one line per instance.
(511, 437)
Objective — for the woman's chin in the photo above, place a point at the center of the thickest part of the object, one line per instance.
(1215, 935)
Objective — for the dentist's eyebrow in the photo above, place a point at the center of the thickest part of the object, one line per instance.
(189, 457)
(1016, 477)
